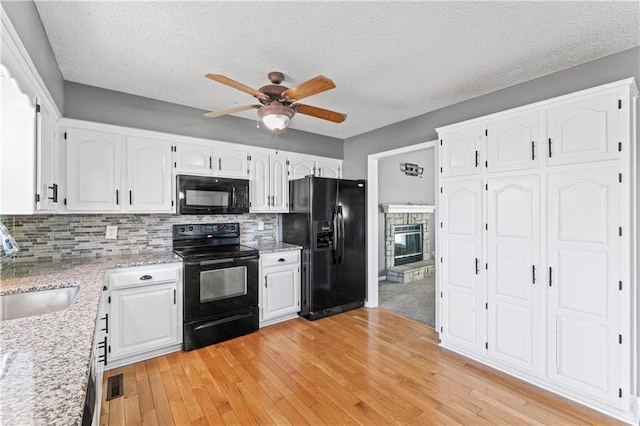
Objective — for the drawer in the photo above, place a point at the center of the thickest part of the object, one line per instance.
(142, 275)
(280, 258)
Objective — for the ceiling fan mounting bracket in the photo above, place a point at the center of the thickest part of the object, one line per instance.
(276, 77)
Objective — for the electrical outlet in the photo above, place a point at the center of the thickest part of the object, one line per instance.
(260, 226)
(112, 232)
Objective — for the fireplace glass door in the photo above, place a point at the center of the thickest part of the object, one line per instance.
(407, 244)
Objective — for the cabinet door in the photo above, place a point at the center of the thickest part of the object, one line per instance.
(231, 163)
(463, 316)
(300, 167)
(279, 184)
(584, 130)
(144, 319)
(514, 283)
(259, 190)
(461, 151)
(328, 169)
(281, 295)
(514, 142)
(48, 183)
(93, 171)
(194, 159)
(584, 306)
(148, 175)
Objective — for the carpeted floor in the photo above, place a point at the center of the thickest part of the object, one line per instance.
(415, 300)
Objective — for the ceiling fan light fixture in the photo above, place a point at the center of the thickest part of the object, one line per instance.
(276, 117)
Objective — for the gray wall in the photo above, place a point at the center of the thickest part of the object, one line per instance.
(395, 187)
(422, 128)
(26, 21)
(107, 106)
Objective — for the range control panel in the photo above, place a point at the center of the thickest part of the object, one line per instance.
(204, 230)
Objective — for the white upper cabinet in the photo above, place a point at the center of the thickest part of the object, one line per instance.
(193, 159)
(93, 171)
(584, 130)
(17, 148)
(461, 151)
(231, 163)
(50, 170)
(514, 142)
(269, 186)
(149, 183)
(300, 166)
(328, 169)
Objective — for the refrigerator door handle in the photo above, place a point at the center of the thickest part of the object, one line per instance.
(341, 221)
(336, 233)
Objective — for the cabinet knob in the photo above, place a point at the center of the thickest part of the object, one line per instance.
(146, 277)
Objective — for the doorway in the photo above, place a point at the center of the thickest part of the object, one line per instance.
(405, 181)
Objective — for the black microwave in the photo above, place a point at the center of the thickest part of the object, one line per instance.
(212, 195)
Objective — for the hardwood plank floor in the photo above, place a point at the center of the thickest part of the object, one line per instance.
(367, 367)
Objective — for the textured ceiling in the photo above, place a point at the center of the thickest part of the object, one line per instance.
(389, 60)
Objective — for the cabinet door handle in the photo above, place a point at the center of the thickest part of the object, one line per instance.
(219, 163)
(550, 276)
(550, 153)
(477, 158)
(145, 277)
(533, 274)
(210, 162)
(54, 192)
(281, 260)
(477, 266)
(117, 197)
(174, 296)
(533, 150)
(265, 281)
(106, 323)
(130, 197)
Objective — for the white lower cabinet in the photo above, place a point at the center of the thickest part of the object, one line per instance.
(145, 312)
(537, 256)
(280, 286)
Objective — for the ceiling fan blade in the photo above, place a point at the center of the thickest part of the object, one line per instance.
(230, 110)
(322, 113)
(311, 87)
(236, 85)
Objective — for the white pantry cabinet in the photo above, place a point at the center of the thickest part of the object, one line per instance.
(149, 183)
(145, 312)
(269, 185)
(93, 170)
(280, 286)
(548, 223)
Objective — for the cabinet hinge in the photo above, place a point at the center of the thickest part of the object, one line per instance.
(109, 349)
(109, 299)
(441, 295)
(486, 186)
(248, 158)
(440, 142)
(619, 146)
(249, 203)
(65, 135)
(37, 198)
(620, 177)
(37, 108)
(65, 201)
(175, 164)
(440, 260)
(620, 338)
(486, 132)
(619, 392)
(619, 103)
(486, 164)
(486, 266)
(486, 226)
(486, 345)
(620, 285)
(288, 162)
(441, 330)
(441, 190)
(440, 224)
(171, 203)
(620, 231)
(440, 169)
(486, 306)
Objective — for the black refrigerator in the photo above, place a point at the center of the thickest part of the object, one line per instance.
(327, 217)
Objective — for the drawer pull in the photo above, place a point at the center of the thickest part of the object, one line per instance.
(281, 260)
(146, 277)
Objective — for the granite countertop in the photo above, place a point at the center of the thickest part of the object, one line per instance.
(45, 359)
(275, 247)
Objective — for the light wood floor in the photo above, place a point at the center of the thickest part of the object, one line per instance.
(367, 367)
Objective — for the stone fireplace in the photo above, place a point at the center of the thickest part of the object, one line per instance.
(407, 248)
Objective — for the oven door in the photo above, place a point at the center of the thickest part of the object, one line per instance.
(213, 287)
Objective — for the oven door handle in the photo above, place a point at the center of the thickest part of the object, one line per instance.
(222, 321)
(218, 261)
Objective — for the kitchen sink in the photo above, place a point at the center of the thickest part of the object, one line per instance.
(33, 303)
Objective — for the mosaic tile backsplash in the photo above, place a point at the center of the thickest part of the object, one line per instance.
(60, 236)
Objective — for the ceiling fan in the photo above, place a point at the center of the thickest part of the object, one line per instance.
(277, 105)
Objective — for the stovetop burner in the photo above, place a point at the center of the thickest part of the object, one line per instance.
(215, 252)
(209, 241)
